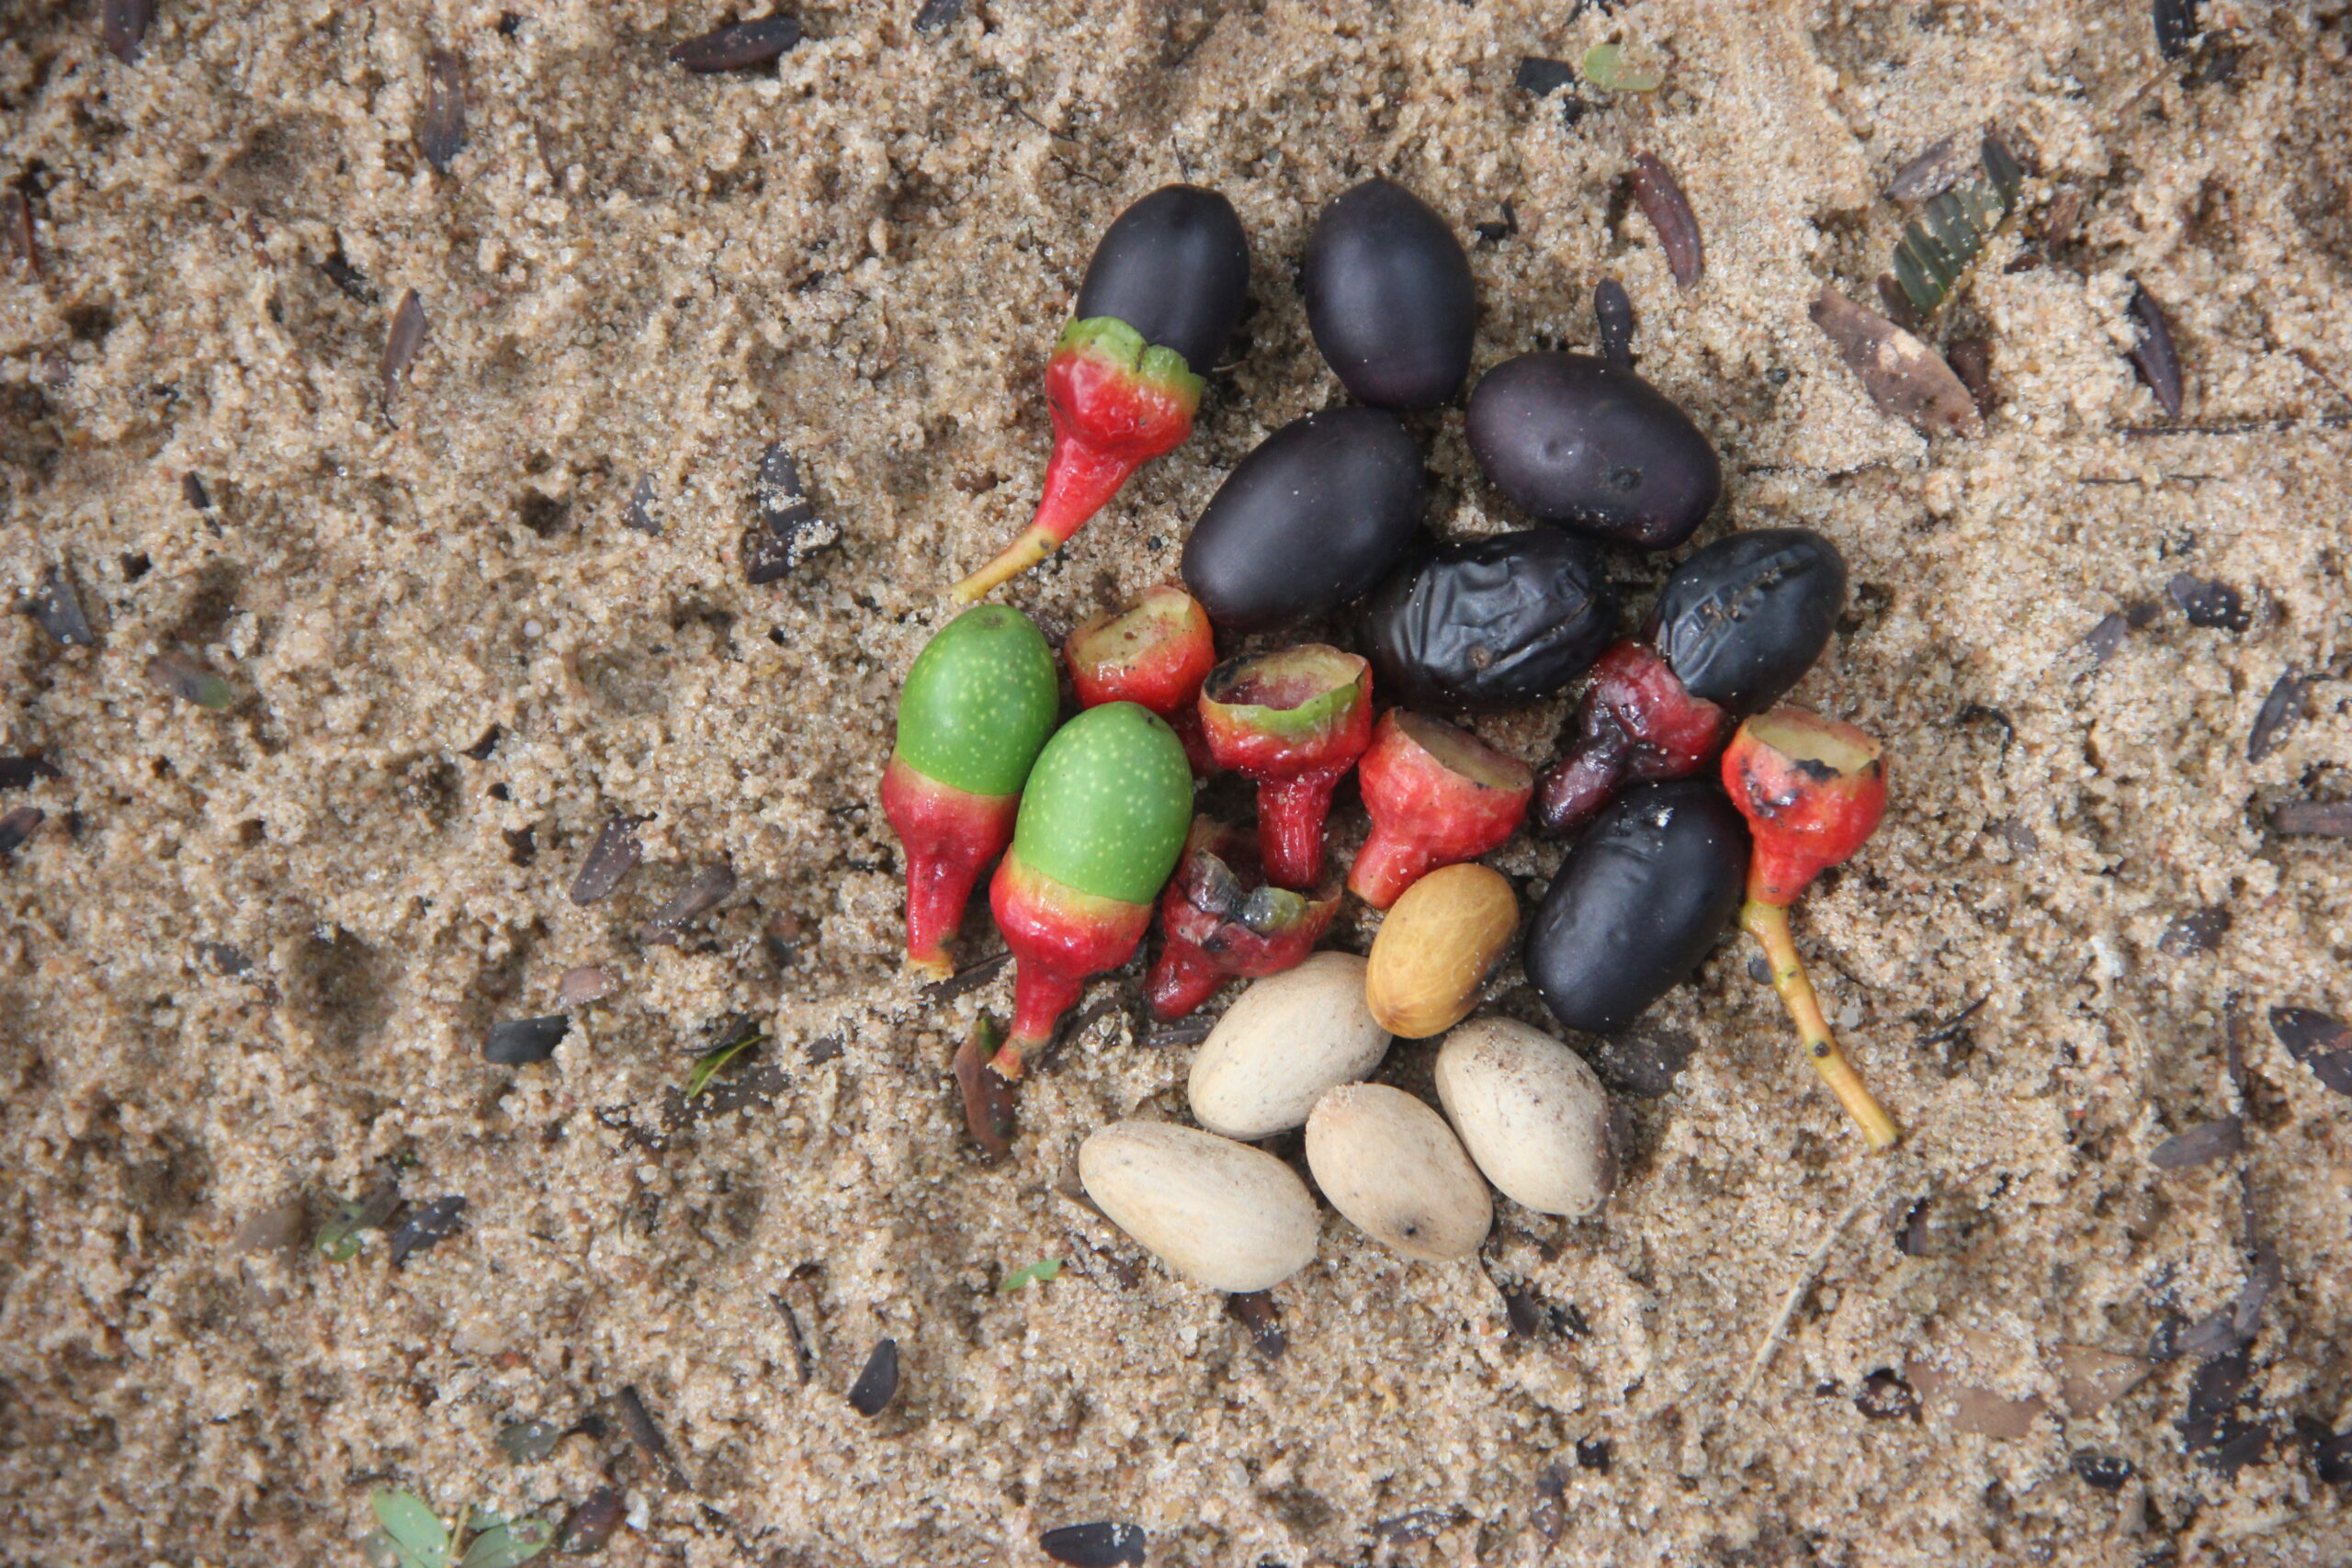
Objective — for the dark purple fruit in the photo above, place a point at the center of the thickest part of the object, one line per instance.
(1592, 447)
(1638, 903)
(1489, 622)
(1319, 512)
(1742, 620)
(1389, 296)
(1175, 267)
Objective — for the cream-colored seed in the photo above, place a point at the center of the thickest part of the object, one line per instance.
(1532, 1115)
(1391, 1165)
(1221, 1213)
(1441, 940)
(1288, 1039)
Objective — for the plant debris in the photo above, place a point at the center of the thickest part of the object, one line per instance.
(642, 502)
(637, 1422)
(1495, 231)
(1421, 1524)
(1939, 245)
(1095, 1545)
(1594, 1454)
(2280, 712)
(1037, 1273)
(1256, 1312)
(734, 1037)
(989, 1096)
(1548, 1513)
(585, 982)
(17, 217)
(124, 23)
(970, 977)
(529, 1442)
(2199, 931)
(788, 528)
(2321, 1042)
(738, 46)
(2103, 1472)
(401, 341)
(2158, 362)
(2214, 605)
(1605, 67)
(2201, 1145)
(612, 857)
(59, 610)
(2176, 23)
(1663, 203)
(2313, 818)
(190, 682)
(879, 1384)
(1904, 376)
(441, 134)
(1971, 359)
(1933, 172)
(703, 892)
(426, 1226)
(20, 772)
(937, 15)
(18, 826)
(1541, 76)
(338, 1237)
(1885, 1396)
(1612, 312)
(1645, 1065)
(592, 1524)
(520, 1042)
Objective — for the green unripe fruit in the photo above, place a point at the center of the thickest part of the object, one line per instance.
(1108, 805)
(979, 702)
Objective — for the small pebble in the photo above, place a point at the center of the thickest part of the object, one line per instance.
(1095, 1545)
(1287, 1040)
(1219, 1213)
(521, 1042)
(738, 47)
(1391, 1165)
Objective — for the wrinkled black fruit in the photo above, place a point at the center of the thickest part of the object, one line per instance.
(1592, 447)
(1175, 267)
(1743, 619)
(1638, 903)
(1319, 514)
(1389, 297)
(1490, 622)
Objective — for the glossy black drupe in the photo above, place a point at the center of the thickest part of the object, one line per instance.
(1389, 297)
(1489, 623)
(1175, 267)
(1742, 620)
(1319, 514)
(1592, 447)
(1638, 903)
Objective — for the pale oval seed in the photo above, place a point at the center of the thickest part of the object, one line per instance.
(1391, 1165)
(1288, 1039)
(1221, 1213)
(1532, 1113)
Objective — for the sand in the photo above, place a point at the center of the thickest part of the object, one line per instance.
(247, 961)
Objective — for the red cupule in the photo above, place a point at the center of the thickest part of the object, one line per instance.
(1058, 937)
(1437, 796)
(1638, 721)
(1295, 722)
(1220, 920)
(1156, 652)
(1812, 790)
(949, 836)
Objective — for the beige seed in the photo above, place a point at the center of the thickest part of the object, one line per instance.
(1532, 1115)
(1288, 1038)
(1221, 1213)
(1441, 940)
(1391, 1164)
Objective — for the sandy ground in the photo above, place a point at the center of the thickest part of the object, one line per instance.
(249, 959)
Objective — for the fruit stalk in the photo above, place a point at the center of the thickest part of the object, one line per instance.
(1812, 790)
(1295, 722)
(1220, 920)
(1437, 796)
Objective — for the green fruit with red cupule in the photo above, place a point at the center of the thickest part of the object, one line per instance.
(1102, 824)
(977, 707)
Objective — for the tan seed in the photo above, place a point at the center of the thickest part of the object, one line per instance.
(1441, 940)
(1391, 1164)
(1221, 1213)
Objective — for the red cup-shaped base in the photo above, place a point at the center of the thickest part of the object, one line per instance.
(1156, 653)
(1295, 721)
(1058, 937)
(949, 835)
(1812, 790)
(1437, 796)
(1220, 920)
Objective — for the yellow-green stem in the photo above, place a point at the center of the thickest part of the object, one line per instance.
(1768, 924)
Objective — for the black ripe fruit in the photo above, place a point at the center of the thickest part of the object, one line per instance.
(1489, 622)
(1314, 517)
(1175, 267)
(1389, 296)
(1742, 620)
(1592, 447)
(1638, 903)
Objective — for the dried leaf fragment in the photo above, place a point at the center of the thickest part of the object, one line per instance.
(2157, 361)
(400, 344)
(2313, 818)
(1953, 227)
(2282, 711)
(937, 15)
(738, 46)
(637, 1422)
(19, 773)
(639, 515)
(190, 682)
(877, 1385)
(703, 892)
(1932, 173)
(1101, 1545)
(989, 1097)
(2176, 22)
(520, 1042)
(1257, 1313)
(612, 857)
(58, 608)
(1669, 213)
(2200, 931)
(2090, 1378)
(788, 527)
(441, 134)
(1605, 67)
(430, 1224)
(2201, 1145)
(124, 23)
(1904, 376)
(17, 216)
(18, 826)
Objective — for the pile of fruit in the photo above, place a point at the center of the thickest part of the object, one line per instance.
(1095, 818)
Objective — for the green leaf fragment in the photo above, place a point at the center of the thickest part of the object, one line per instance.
(501, 1544)
(338, 1239)
(711, 1061)
(1952, 228)
(414, 1527)
(1605, 68)
(1044, 1269)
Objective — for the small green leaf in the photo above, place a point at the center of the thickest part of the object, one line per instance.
(708, 1065)
(1044, 1269)
(503, 1545)
(338, 1239)
(378, 1549)
(1605, 68)
(414, 1527)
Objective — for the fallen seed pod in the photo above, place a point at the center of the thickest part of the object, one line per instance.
(1389, 296)
(1812, 791)
(1532, 1113)
(1289, 1038)
(1437, 796)
(1161, 295)
(1446, 935)
(1590, 445)
(1295, 722)
(1392, 1167)
(978, 706)
(1490, 622)
(1668, 210)
(1220, 920)
(1221, 1213)
(1102, 822)
(1639, 900)
(1315, 516)
(1156, 652)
